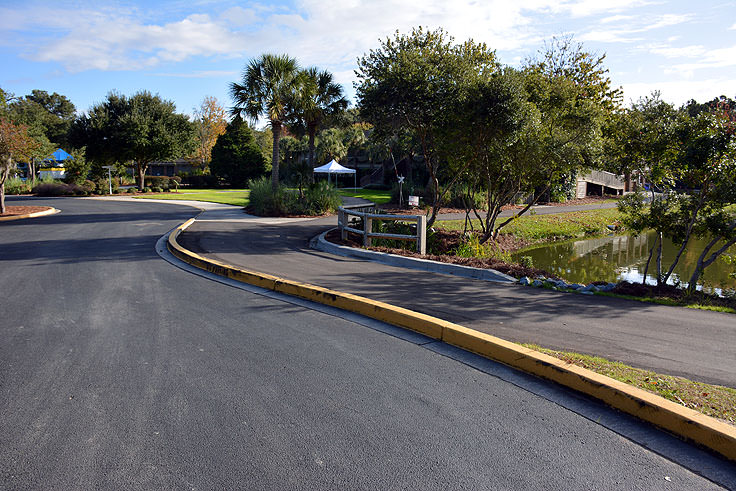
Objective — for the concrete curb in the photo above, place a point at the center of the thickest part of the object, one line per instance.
(679, 420)
(37, 214)
(322, 244)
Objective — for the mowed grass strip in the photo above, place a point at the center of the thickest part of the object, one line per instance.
(377, 196)
(237, 197)
(558, 226)
(712, 400)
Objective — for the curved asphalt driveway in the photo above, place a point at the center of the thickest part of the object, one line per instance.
(119, 370)
(699, 345)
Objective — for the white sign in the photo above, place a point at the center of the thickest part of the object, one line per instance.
(413, 200)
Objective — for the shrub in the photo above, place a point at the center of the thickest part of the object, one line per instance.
(321, 198)
(131, 190)
(157, 189)
(16, 185)
(197, 180)
(102, 185)
(408, 189)
(89, 186)
(163, 182)
(54, 189)
(146, 190)
(266, 202)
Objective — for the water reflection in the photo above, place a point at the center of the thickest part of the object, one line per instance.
(624, 258)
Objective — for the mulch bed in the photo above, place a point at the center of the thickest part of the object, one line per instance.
(22, 210)
(445, 242)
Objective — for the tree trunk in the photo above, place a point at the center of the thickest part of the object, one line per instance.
(32, 170)
(276, 129)
(141, 168)
(2, 197)
(312, 129)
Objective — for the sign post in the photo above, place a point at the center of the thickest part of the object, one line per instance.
(109, 175)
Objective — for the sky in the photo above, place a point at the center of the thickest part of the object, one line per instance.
(186, 50)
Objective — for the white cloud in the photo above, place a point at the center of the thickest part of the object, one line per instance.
(199, 74)
(677, 52)
(680, 91)
(714, 58)
(585, 8)
(328, 32)
(632, 27)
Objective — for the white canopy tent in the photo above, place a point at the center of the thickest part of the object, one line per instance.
(333, 167)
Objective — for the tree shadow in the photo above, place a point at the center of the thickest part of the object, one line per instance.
(67, 251)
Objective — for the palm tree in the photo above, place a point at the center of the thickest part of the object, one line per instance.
(269, 82)
(317, 98)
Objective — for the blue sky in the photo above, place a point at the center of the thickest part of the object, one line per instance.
(186, 50)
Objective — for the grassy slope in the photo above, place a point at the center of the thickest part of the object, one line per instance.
(559, 226)
(712, 400)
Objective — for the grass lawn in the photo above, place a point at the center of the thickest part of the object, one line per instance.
(559, 226)
(712, 400)
(238, 197)
(378, 196)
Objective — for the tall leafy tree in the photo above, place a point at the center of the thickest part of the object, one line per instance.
(268, 84)
(697, 177)
(210, 121)
(15, 144)
(414, 82)
(318, 97)
(50, 115)
(236, 156)
(143, 128)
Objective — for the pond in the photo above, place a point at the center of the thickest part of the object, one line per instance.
(623, 257)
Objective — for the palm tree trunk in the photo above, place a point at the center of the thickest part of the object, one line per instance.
(312, 128)
(276, 129)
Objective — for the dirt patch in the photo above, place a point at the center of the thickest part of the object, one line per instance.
(13, 211)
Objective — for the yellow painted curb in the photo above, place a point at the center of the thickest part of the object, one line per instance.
(50, 211)
(679, 420)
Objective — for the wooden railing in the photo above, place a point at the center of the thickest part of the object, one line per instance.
(344, 224)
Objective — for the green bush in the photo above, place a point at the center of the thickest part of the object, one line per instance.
(157, 189)
(16, 185)
(266, 202)
(146, 190)
(102, 185)
(163, 182)
(321, 198)
(55, 189)
(408, 189)
(131, 190)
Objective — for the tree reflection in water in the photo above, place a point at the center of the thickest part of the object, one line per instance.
(623, 257)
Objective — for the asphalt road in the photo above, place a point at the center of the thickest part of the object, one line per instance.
(696, 344)
(120, 370)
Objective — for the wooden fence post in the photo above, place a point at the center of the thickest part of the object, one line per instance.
(342, 223)
(367, 229)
